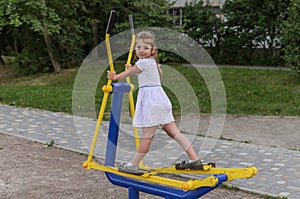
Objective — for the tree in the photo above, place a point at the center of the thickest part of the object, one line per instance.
(291, 36)
(49, 35)
(146, 14)
(35, 17)
(93, 15)
(200, 23)
(1, 61)
(255, 24)
(46, 30)
(3, 24)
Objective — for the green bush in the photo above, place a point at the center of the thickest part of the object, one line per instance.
(28, 63)
(291, 37)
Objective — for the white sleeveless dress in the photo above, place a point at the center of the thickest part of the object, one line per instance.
(153, 106)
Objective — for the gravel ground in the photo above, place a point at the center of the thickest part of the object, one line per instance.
(30, 170)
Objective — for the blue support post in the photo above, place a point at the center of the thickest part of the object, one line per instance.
(133, 193)
(113, 131)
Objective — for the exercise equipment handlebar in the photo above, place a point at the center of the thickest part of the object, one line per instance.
(131, 24)
(111, 21)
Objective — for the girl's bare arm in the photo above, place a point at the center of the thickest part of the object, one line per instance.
(131, 70)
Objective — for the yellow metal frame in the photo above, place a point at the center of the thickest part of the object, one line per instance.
(210, 181)
(131, 101)
(106, 89)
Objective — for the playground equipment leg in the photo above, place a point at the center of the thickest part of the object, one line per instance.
(133, 193)
(112, 141)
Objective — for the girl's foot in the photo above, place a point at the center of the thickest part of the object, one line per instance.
(194, 165)
(133, 169)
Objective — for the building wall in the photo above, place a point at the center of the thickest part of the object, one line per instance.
(177, 9)
(181, 3)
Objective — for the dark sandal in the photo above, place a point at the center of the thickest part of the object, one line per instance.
(196, 165)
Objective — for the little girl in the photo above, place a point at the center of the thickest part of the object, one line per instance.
(153, 107)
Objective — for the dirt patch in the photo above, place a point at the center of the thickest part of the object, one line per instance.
(6, 73)
(29, 170)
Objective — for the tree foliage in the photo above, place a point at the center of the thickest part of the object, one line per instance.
(200, 23)
(254, 24)
(32, 22)
(291, 36)
(146, 14)
(45, 35)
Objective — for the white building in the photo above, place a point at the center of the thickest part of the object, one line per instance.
(177, 9)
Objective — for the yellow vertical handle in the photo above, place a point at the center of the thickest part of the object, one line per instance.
(107, 89)
(131, 101)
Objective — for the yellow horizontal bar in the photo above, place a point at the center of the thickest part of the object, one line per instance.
(232, 173)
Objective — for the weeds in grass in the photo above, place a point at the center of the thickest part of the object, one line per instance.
(51, 144)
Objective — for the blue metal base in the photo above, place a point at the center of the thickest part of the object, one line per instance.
(134, 186)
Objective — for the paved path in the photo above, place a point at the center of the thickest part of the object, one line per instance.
(268, 141)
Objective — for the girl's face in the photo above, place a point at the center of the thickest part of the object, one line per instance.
(143, 50)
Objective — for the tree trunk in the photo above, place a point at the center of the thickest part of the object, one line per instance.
(16, 46)
(56, 65)
(95, 34)
(1, 61)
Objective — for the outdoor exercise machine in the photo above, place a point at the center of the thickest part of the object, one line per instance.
(148, 180)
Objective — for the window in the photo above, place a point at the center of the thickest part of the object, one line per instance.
(216, 9)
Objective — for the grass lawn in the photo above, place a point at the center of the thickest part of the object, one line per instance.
(261, 92)
(248, 92)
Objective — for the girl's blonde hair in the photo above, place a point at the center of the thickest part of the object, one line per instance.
(148, 38)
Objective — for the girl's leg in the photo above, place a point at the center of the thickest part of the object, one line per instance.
(173, 131)
(147, 136)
